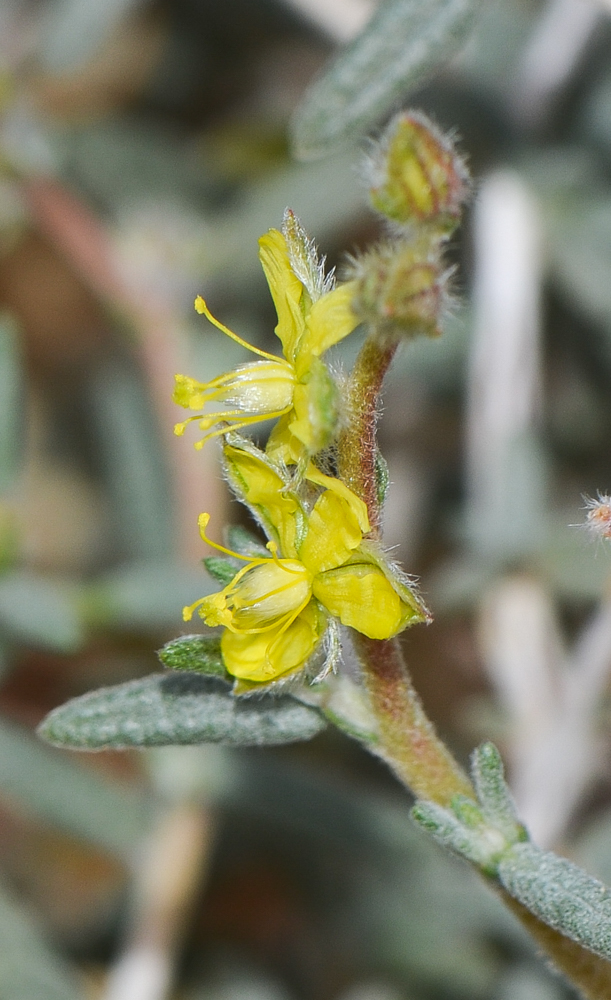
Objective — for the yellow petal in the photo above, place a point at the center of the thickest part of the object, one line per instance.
(265, 656)
(332, 536)
(361, 597)
(262, 487)
(282, 446)
(286, 291)
(330, 320)
(357, 506)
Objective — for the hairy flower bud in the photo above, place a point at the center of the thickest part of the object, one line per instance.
(402, 287)
(416, 175)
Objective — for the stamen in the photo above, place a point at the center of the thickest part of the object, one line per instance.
(202, 522)
(273, 548)
(243, 423)
(202, 309)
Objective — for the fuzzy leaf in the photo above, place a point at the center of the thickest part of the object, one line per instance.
(560, 894)
(494, 795)
(245, 543)
(403, 44)
(177, 708)
(201, 653)
(221, 569)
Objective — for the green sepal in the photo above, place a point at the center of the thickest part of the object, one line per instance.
(198, 653)
(322, 409)
(382, 478)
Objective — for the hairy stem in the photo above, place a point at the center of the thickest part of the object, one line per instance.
(408, 741)
(357, 445)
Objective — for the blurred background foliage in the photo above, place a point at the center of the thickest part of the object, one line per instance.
(144, 147)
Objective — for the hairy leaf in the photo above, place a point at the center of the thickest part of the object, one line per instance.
(177, 708)
(201, 653)
(403, 44)
(560, 894)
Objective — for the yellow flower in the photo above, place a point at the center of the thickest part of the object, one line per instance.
(312, 316)
(276, 609)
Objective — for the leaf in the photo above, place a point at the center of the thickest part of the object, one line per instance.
(177, 708)
(201, 653)
(39, 612)
(560, 894)
(28, 967)
(222, 569)
(404, 43)
(10, 401)
(59, 790)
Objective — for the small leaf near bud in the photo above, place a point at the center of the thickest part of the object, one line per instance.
(402, 286)
(417, 176)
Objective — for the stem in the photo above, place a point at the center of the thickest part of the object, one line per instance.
(357, 444)
(409, 743)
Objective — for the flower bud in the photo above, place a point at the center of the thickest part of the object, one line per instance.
(416, 175)
(402, 287)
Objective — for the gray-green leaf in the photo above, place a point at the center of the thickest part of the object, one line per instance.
(201, 653)
(560, 894)
(177, 708)
(403, 44)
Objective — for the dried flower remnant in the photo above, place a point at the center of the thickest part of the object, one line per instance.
(598, 516)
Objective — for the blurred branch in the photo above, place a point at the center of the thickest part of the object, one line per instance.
(166, 882)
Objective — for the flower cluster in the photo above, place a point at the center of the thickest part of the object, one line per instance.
(282, 605)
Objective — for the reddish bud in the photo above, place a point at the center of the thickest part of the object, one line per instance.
(416, 175)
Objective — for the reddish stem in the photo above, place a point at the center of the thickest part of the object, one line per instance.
(357, 445)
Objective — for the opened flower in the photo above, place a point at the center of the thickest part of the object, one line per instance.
(276, 608)
(312, 316)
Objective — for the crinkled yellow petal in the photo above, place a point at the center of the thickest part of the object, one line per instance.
(332, 536)
(282, 446)
(267, 655)
(286, 290)
(330, 319)
(357, 506)
(362, 597)
(263, 488)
